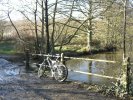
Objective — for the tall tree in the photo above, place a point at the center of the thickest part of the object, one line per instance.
(90, 10)
(53, 31)
(36, 29)
(47, 27)
(42, 32)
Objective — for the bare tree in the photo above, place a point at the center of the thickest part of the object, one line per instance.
(42, 32)
(47, 28)
(53, 31)
(92, 9)
(36, 30)
(53, 22)
(14, 26)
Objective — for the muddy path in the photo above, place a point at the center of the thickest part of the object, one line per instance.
(18, 84)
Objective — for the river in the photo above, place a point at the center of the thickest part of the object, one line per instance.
(101, 68)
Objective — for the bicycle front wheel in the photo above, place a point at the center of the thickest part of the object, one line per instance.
(60, 72)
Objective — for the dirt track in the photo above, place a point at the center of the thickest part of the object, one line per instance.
(27, 86)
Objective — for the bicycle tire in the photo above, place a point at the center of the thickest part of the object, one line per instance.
(60, 72)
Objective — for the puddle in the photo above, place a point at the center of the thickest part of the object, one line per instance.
(8, 71)
(100, 68)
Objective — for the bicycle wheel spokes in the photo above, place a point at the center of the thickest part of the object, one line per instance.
(60, 73)
(43, 71)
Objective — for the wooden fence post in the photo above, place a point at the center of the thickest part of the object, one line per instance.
(27, 58)
(62, 58)
(128, 79)
(126, 73)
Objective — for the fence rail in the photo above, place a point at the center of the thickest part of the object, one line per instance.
(126, 65)
(88, 59)
(97, 75)
(98, 60)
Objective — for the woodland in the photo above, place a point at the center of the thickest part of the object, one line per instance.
(50, 26)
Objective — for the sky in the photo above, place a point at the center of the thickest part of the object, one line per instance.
(4, 7)
(14, 5)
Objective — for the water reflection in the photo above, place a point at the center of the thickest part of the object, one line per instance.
(101, 68)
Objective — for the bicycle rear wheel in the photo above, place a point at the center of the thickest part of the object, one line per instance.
(60, 72)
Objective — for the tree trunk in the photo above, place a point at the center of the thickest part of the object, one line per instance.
(124, 30)
(90, 40)
(52, 36)
(42, 38)
(90, 27)
(47, 28)
(37, 41)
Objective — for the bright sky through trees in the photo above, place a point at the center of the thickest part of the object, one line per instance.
(14, 5)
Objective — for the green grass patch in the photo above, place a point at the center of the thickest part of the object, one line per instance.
(78, 48)
(7, 47)
(70, 48)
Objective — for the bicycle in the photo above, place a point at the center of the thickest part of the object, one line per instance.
(55, 68)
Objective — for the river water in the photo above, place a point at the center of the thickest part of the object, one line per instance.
(101, 68)
(7, 69)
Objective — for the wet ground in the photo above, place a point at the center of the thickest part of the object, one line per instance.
(18, 84)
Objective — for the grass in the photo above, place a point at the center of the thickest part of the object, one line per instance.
(7, 47)
(78, 48)
(71, 48)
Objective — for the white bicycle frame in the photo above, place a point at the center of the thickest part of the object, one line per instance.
(50, 63)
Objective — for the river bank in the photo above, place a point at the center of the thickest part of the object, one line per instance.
(71, 53)
(27, 86)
